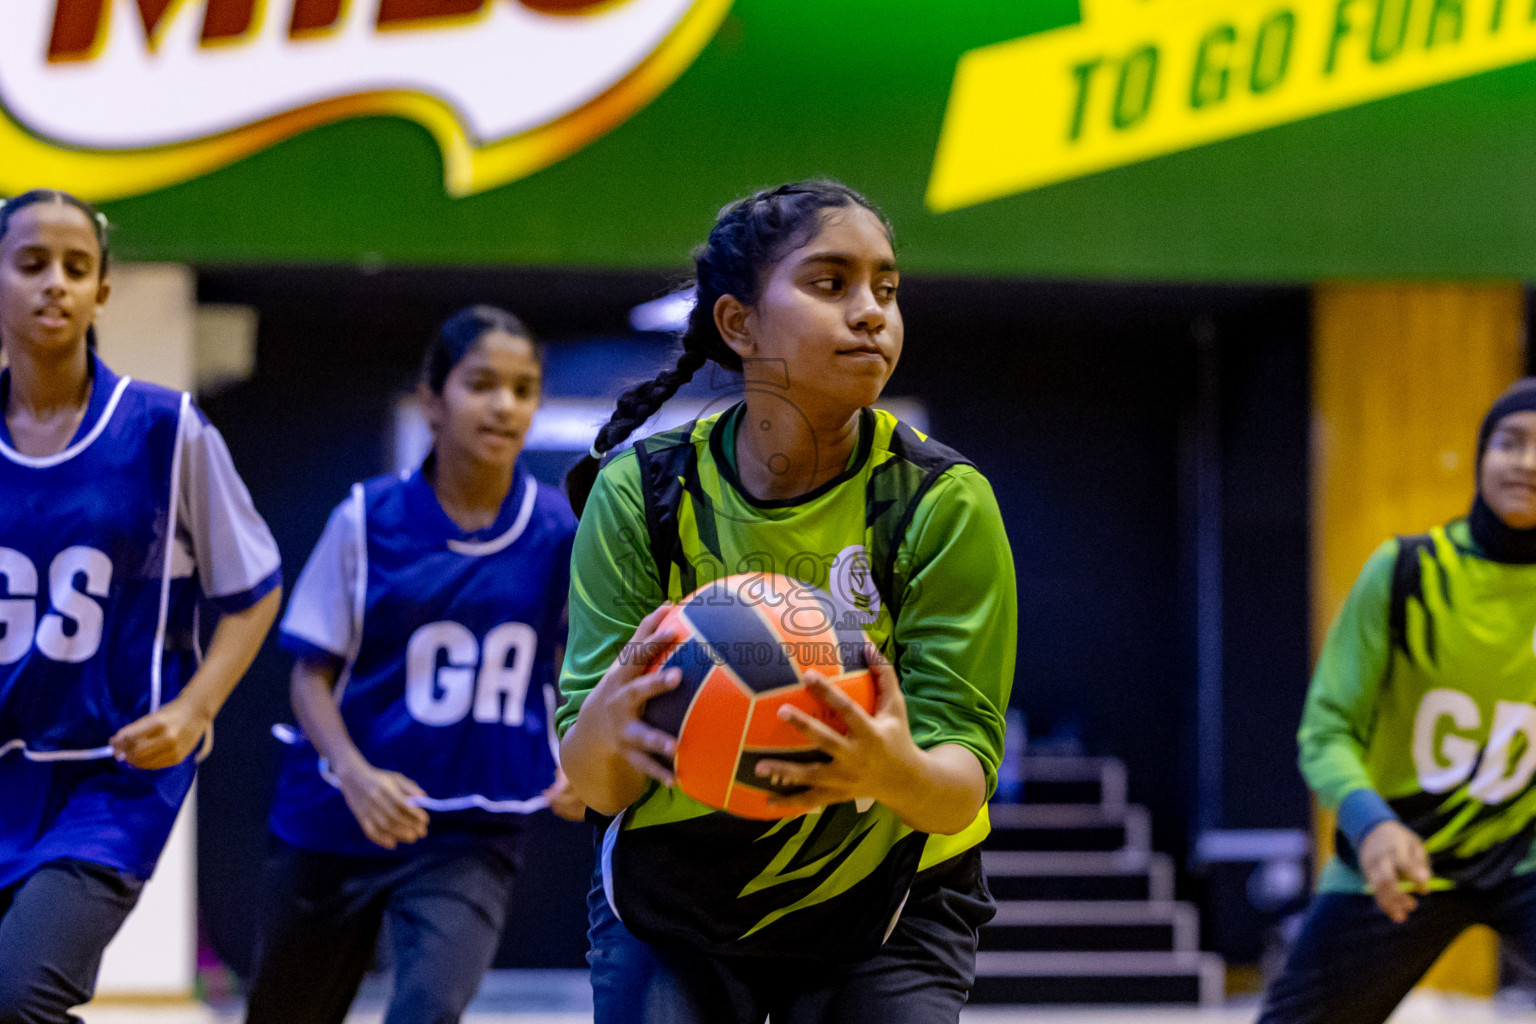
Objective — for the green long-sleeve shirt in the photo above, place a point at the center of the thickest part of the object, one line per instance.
(825, 884)
(1427, 700)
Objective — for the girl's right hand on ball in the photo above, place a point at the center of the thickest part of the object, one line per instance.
(618, 700)
(1396, 866)
(381, 803)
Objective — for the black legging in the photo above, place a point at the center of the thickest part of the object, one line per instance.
(1352, 964)
(445, 903)
(54, 925)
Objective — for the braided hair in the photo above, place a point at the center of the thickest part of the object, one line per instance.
(99, 225)
(749, 237)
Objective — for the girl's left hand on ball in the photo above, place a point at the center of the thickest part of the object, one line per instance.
(162, 738)
(868, 762)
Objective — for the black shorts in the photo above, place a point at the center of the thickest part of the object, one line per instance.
(922, 975)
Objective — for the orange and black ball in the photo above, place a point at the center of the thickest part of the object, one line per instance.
(746, 643)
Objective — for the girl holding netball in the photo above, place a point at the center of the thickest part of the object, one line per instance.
(121, 507)
(1419, 727)
(867, 907)
(427, 626)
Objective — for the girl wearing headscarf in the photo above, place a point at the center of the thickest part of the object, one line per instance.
(1420, 728)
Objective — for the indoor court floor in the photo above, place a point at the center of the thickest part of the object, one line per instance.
(561, 997)
(1419, 1010)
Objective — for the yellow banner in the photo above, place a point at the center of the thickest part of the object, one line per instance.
(1141, 78)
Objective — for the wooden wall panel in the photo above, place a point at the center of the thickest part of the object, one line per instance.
(1401, 377)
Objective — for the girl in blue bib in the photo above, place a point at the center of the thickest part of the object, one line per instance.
(427, 627)
(120, 511)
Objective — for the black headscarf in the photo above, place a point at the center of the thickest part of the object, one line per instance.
(1499, 540)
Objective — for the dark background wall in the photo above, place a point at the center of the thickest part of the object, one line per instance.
(1079, 402)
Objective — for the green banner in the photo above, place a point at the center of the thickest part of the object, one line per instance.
(1419, 172)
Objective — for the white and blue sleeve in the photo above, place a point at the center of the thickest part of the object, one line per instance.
(322, 610)
(218, 530)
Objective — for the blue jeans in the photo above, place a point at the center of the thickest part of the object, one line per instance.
(922, 975)
(622, 966)
(1351, 963)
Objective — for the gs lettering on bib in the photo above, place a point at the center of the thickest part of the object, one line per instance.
(95, 610)
(71, 630)
(447, 651)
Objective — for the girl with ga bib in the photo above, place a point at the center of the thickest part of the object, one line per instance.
(426, 628)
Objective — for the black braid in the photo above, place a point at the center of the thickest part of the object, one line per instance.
(640, 403)
(634, 407)
(750, 236)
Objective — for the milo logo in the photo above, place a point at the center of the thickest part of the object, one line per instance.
(108, 98)
(78, 24)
